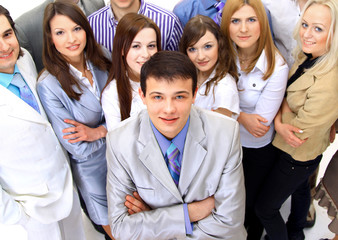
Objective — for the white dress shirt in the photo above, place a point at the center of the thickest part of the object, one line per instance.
(111, 104)
(223, 95)
(262, 97)
(284, 16)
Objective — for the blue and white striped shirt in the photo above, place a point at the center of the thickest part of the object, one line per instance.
(104, 24)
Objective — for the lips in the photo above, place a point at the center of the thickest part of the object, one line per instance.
(202, 63)
(169, 120)
(5, 56)
(73, 47)
(243, 38)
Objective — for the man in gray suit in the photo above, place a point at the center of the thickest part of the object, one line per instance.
(29, 27)
(174, 171)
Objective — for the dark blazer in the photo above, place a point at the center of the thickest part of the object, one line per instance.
(29, 27)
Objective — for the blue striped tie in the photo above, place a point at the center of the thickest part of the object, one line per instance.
(219, 7)
(25, 92)
(173, 165)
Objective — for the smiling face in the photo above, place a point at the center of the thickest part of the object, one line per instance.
(315, 29)
(244, 28)
(168, 104)
(68, 37)
(204, 53)
(9, 46)
(141, 49)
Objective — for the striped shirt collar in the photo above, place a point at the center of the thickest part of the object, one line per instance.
(140, 11)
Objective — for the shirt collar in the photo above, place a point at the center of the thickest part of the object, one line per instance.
(179, 140)
(209, 3)
(261, 63)
(6, 78)
(140, 11)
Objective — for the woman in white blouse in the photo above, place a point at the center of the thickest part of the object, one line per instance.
(137, 38)
(206, 47)
(261, 85)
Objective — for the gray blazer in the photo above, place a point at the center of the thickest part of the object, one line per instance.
(29, 27)
(211, 165)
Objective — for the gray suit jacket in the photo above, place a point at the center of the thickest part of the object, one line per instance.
(211, 165)
(29, 27)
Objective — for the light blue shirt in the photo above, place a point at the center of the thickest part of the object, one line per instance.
(179, 141)
(187, 9)
(6, 79)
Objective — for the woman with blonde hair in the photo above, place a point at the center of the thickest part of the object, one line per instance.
(305, 120)
(262, 80)
(206, 47)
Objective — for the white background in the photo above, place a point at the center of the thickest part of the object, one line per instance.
(17, 7)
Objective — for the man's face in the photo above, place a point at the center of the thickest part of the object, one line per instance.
(123, 4)
(9, 46)
(168, 104)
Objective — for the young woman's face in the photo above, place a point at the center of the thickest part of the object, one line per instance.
(68, 37)
(142, 48)
(244, 28)
(315, 29)
(204, 53)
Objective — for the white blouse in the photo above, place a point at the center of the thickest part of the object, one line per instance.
(262, 97)
(111, 104)
(223, 95)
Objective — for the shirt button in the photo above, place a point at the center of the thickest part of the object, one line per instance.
(254, 85)
(239, 74)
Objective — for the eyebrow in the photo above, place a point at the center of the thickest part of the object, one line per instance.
(245, 18)
(9, 30)
(314, 23)
(175, 93)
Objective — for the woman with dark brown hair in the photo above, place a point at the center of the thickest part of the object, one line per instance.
(206, 47)
(137, 39)
(70, 89)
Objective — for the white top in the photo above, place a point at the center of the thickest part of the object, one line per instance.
(111, 104)
(224, 95)
(284, 16)
(264, 98)
(78, 74)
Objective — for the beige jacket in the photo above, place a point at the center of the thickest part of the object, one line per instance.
(314, 103)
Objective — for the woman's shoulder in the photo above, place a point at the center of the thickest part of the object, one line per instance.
(47, 79)
(110, 90)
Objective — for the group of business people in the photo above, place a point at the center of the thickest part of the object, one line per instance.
(240, 75)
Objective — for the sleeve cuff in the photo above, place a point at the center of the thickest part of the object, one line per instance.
(188, 224)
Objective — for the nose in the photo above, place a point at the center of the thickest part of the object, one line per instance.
(4, 46)
(308, 32)
(200, 54)
(145, 52)
(244, 27)
(71, 37)
(170, 106)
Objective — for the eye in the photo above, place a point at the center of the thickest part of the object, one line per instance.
(252, 20)
(208, 46)
(8, 34)
(235, 21)
(152, 46)
(318, 29)
(179, 97)
(59, 33)
(157, 97)
(135, 46)
(191, 49)
(304, 25)
(78, 28)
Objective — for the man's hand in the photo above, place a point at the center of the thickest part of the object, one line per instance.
(135, 204)
(201, 209)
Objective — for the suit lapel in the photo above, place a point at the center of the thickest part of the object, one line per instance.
(17, 108)
(151, 156)
(194, 153)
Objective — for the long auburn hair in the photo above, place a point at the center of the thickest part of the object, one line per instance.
(194, 30)
(265, 39)
(55, 63)
(128, 27)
